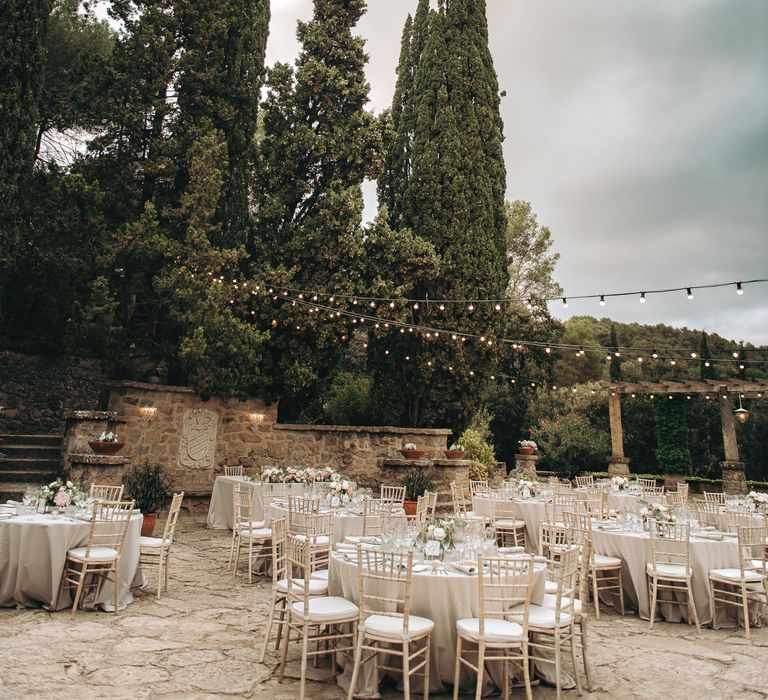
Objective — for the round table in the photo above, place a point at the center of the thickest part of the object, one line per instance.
(33, 549)
(220, 516)
(441, 598)
(344, 523)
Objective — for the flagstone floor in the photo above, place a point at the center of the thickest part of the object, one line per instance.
(201, 640)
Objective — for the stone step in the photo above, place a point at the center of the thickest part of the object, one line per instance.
(38, 440)
(11, 452)
(11, 491)
(22, 464)
(33, 478)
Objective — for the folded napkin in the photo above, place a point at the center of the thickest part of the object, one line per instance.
(511, 550)
(466, 567)
(347, 547)
(354, 539)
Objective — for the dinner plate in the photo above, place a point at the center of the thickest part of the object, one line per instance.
(418, 568)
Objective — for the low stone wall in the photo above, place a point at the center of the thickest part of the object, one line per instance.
(193, 439)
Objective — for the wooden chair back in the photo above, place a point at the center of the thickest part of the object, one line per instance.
(109, 523)
(233, 470)
(670, 543)
(173, 517)
(106, 492)
(502, 584)
(584, 481)
(382, 569)
(279, 554)
(394, 496)
(753, 552)
(300, 510)
(478, 486)
(714, 497)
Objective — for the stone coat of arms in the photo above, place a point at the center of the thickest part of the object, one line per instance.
(198, 438)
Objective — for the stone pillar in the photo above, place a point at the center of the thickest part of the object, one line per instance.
(618, 466)
(734, 480)
(617, 462)
(87, 469)
(525, 467)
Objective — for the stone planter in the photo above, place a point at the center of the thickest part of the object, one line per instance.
(412, 454)
(105, 448)
(526, 450)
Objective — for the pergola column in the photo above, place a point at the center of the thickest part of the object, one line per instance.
(734, 480)
(617, 462)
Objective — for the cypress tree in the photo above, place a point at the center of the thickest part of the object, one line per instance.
(22, 41)
(453, 198)
(672, 450)
(615, 367)
(318, 145)
(221, 67)
(705, 372)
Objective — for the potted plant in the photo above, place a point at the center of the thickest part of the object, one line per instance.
(416, 482)
(410, 451)
(107, 444)
(527, 447)
(455, 451)
(150, 487)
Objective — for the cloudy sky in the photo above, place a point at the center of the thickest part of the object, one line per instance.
(638, 131)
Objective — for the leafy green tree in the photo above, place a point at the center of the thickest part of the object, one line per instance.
(445, 181)
(77, 51)
(571, 444)
(672, 449)
(317, 146)
(530, 262)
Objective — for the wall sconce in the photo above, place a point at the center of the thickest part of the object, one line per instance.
(255, 419)
(741, 413)
(147, 414)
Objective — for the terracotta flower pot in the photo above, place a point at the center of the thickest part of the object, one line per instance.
(148, 524)
(105, 448)
(409, 507)
(412, 454)
(526, 450)
(455, 454)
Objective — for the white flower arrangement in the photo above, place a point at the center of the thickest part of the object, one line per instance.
(528, 443)
(658, 512)
(758, 498)
(409, 446)
(619, 483)
(108, 437)
(526, 485)
(298, 475)
(60, 493)
(441, 530)
(342, 488)
(457, 447)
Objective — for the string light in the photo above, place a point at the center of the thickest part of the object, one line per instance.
(689, 293)
(739, 289)
(642, 297)
(565, 303)
(602, 300)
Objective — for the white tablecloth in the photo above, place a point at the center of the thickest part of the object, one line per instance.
(220, 516)
(33, 549)
(633, 548)
(532, 511)
(443, 599)
(344, 523)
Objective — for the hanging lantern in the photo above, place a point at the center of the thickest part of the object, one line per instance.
(741, 413)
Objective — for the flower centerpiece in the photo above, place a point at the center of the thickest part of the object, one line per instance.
(619, 483)
(527, 447)
(60, 493)
(410, 451)
(340, 490)
(759, 500)
(442, 531)
(455, 451)
(526, 488)
(658, 512)
(107, 444)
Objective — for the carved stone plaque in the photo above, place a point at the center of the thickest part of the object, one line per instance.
(198, 438)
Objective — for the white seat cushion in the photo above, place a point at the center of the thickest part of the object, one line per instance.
(327, 609)
(97, 554)
(550, 587)
(541, 617)
(496, 630)
(392, 627)
(263, 533)
(509, 522)
(153, 542)
(603, 562)
(316, 539)
(550, 601)
(668, 570)
(321, 575)
(256, 524)
(316, 586)
(735, 575)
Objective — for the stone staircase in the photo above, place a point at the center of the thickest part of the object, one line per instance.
(28, 460)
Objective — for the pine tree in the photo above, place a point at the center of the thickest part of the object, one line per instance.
(318, 145)
(453, 183)
(221, 67)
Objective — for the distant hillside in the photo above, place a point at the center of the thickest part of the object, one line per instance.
(591, 332)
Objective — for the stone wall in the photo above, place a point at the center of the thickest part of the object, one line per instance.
(37, 391)
(193, 439)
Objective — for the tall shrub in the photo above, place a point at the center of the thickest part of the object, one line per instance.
(672, 449)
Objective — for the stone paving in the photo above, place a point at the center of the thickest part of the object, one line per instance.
(201, 640)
